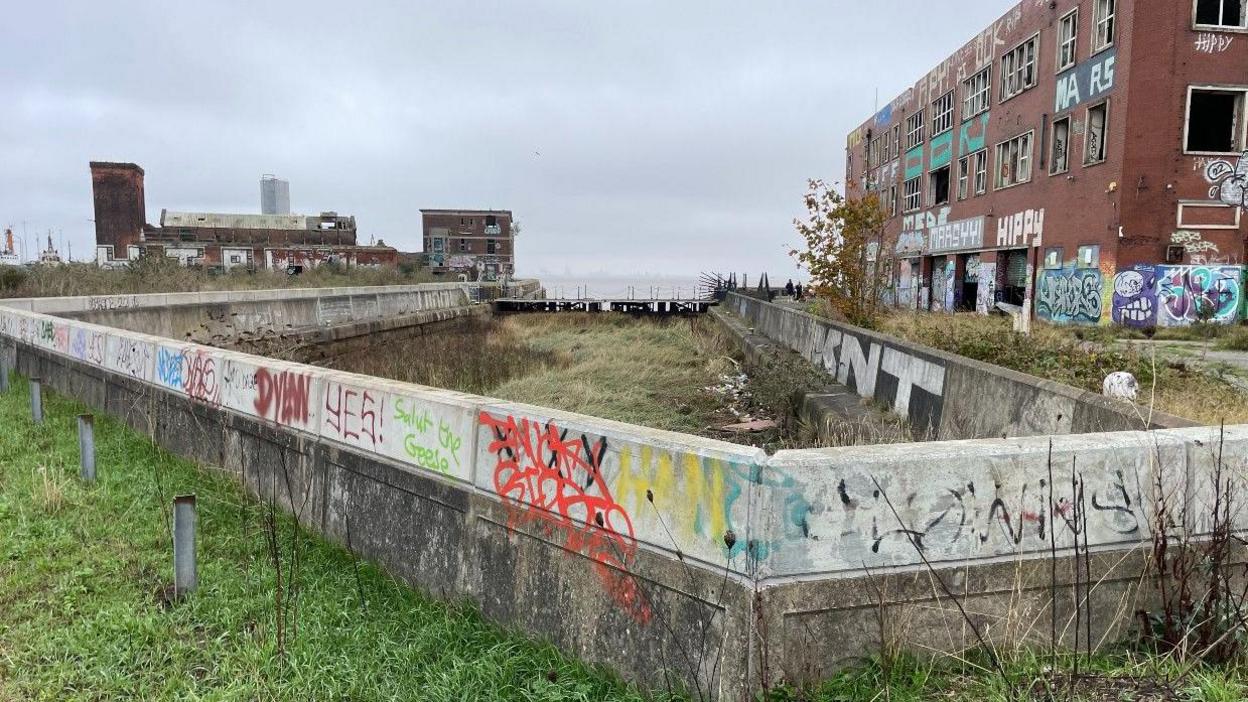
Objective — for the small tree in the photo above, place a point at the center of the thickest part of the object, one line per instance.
(840, 235)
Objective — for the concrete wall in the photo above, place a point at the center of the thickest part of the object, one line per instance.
(670, 558)
(955, 396)
(225, 318)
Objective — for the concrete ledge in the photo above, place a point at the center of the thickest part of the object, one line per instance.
(957, 397)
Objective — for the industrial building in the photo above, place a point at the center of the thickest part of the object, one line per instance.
(477, 243)
(277, 241)
(1086, 160)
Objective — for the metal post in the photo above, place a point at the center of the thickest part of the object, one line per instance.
(184, 577)
(36, 401)
(86, 447)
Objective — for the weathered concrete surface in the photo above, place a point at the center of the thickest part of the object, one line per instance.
(832, 410)
(952, 396)
(664, 556)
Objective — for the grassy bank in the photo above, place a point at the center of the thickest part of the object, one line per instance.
(1081, 358)
(165, 275)
(85, 612)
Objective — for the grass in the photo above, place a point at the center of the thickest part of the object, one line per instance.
(85, 613)
(1081, 357)
(651, 372)
(1114, 676)
(166, 275)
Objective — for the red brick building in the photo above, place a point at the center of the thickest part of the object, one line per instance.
(480, 243)
(1086, 159)
(214, 239)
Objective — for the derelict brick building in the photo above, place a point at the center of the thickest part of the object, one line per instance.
(216, 239)
(479, 242)
(1087, 159)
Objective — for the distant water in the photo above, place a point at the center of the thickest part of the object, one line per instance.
(638, 287)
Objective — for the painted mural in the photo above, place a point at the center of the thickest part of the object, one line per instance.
(1135, 298)
(1069, 295)
(1187, 294)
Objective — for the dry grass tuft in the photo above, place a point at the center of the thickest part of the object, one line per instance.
(1075, 356)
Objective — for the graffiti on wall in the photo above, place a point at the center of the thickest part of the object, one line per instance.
(283, 396)
(1199, 250)
(1229, 181)
(986, 291)
(1211, 43)
(1069, 295)
(1187, 294)
(1021, 229)
(1135, 298)
(950, 287)
(553, 479)
(885, 523)
(1087, 81)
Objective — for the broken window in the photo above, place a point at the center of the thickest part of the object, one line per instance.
(964, 177)
(942, 114)
(940, 186)
(491, 246)
(978, 93)
(1215, 120)
(1104, 27)
(1014, 161)
(1018, 68)
(1221, 13)
(892, 200)
(913, 194)
(914, 130)
(1094, 142)
(979, 160)
(1060, 161)
(1067, 39)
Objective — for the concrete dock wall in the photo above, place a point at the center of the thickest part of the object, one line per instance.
(952, 396)
(671, 558)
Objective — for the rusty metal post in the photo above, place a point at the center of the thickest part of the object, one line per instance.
(185, 578)
(86, 447)
(36, 400)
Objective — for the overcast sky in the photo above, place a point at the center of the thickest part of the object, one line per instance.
(659, 137)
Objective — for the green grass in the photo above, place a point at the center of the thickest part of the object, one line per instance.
(84, 613)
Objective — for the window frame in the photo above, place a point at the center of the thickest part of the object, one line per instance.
(946, 115)
(1070, 130)
(1243, 117)
(931, 189)
(892, 200)
(971, 94)
(1049, 251)
(964, 178)
(1030, 136)
(1197, 25)
(915, 137)
(917, 194)
(981, 171)
(1111, 19)
(1087, 132)
(1035, 67)
(1073, 41)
